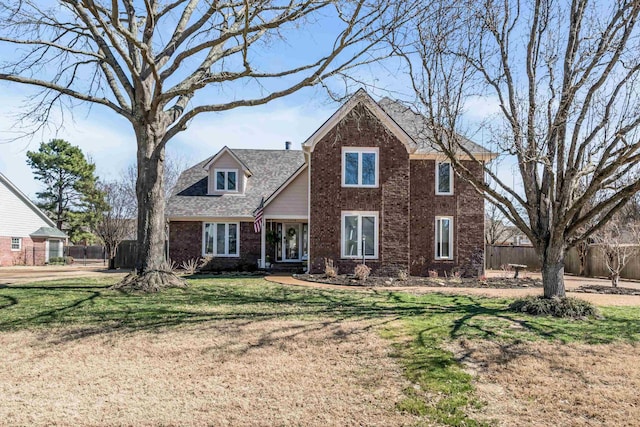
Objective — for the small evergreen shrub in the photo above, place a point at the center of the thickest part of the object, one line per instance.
(567, 307)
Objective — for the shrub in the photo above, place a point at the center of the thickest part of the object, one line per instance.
(361, 272)
(169, 265)
(567, 307)
(68, 260)
(190, 266)
(330, 271)
(456, 276)
(204, 264)
(403, 275)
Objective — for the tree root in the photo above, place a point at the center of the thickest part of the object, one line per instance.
(150, 281)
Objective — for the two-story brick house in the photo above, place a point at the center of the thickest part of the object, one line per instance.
(367, 184)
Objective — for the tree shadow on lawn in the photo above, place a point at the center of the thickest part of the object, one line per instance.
(91, 308)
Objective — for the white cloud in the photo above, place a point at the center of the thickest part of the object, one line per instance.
(478, 108)
(103, 136)
(266, 127)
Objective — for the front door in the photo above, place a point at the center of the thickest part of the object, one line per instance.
(291, 242)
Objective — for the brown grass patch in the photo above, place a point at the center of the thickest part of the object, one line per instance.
(223, 374)
(546, 383)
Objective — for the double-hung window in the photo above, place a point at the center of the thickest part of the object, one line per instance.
(359, 167)
(221, 239)
(444, 178)
(444, 237)
(16, 243)
(226, 180)
(359, 233)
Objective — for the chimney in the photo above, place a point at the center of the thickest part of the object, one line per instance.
(287, 145)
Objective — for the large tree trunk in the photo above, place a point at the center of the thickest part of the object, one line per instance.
(553, 270)
(152, 271)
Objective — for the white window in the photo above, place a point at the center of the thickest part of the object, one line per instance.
(226, 179)
(221, 239)
(16, 243)
(444, 178)
(444, 237)
(359, 167)
(359, 232)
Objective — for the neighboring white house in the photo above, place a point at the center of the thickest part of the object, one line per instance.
(27, 235)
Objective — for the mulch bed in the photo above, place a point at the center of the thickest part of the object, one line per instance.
(373, 281)
(599, 289)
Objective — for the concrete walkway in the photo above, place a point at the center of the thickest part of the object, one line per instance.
(570, 282)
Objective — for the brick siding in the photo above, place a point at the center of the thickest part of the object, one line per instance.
(360, 128)
(185, 243)
(466, 207)
(32, 252)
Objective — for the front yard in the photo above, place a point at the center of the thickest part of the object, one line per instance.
(243, 351)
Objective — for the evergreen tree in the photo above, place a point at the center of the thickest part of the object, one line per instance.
(70, 194)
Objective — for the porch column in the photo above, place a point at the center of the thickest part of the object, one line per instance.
(263, 243)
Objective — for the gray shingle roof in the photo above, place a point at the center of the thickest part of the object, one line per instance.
(270, 168)
(415, 126)
(48, 232)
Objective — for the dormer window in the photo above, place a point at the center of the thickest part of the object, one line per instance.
(226, 180)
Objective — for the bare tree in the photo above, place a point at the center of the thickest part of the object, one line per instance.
(582, 248)
(618, 244)
(117, 221)
(159, 64)
(495, 230)
(174, 165)
(565, 77)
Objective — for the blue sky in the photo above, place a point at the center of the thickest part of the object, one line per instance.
(109, 140)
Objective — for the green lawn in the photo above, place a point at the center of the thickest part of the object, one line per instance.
(417, 326)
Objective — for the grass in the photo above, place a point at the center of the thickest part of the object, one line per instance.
(419, 327)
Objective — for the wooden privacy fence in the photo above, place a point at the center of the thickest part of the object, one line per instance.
(497, 256)
(126, 253)
(79, 252)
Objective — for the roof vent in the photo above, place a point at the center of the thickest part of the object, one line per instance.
(287, 145)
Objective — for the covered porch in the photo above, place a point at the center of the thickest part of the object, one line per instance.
(284, 241)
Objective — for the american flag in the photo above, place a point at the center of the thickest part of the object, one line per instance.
(258, 214)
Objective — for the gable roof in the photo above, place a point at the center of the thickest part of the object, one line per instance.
(361, 97)
(270, 170)
(23, 197)
(227, 150)
(415, 125)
